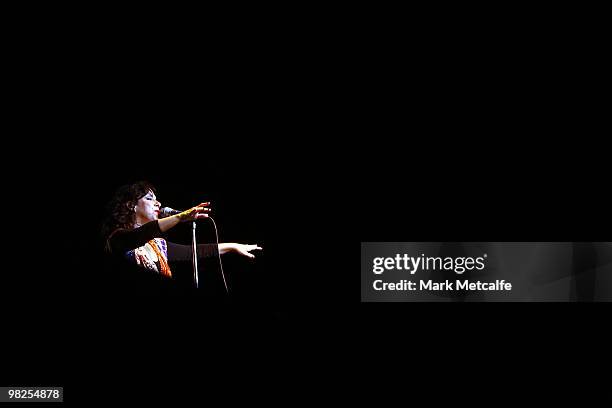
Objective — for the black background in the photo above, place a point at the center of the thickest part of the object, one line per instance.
(308, 152)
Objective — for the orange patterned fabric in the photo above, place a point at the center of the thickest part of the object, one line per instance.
(163, 262)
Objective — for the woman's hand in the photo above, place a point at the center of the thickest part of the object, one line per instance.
(242, 249)
(192, 214)
(195, 213)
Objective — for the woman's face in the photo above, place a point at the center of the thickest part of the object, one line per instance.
(147, 209)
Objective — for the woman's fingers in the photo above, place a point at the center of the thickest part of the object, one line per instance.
(199, 211)
(246, 253)
(245, 250)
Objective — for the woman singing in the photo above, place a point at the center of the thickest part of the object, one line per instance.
(134, 232)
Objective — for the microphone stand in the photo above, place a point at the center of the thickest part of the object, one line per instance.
(194, 249)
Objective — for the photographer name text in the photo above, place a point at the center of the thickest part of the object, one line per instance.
(406, 285)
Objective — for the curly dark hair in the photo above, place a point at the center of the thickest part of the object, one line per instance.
(120, 210)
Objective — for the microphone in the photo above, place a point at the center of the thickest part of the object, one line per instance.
(167, 212)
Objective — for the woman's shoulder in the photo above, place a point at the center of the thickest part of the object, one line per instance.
(117, 232)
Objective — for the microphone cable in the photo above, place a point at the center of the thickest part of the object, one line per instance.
(219, 254)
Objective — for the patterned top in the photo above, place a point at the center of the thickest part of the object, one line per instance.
(153, 256)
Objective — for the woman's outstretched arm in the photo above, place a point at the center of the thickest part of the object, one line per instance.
(242, 249)
(177, 252)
